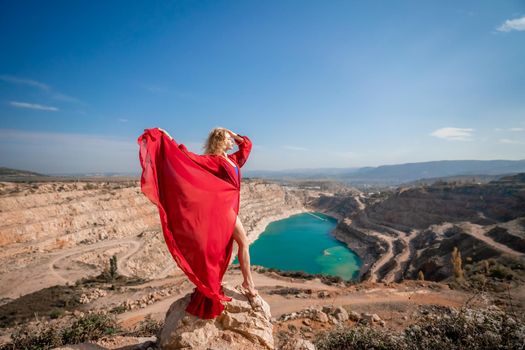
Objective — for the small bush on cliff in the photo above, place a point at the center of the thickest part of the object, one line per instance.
(89, 186)
(456, 263)
(147, 328)
(110, 272)
(420, 275)
(502, 272)
(89, 327)
(113, 267)
(478, 281)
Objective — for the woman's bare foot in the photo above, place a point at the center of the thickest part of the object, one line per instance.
(250, 288)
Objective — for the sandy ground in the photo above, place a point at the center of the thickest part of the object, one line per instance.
(55, 268)
(380, 298)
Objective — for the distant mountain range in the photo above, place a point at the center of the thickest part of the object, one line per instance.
(17, 175)
(384, 175)
(392, 175)
(8, 172)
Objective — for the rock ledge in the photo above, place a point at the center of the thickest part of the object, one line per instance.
(239, 326)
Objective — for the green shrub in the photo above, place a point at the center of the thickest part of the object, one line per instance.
(44, 336)
(90, 327)
(56, 313)
(444, 329)
(119, 309)
(500, 271)
(89, 186)
(35, 339)
(147, 328)
(113, 267)
(478, 280)
(359, 337)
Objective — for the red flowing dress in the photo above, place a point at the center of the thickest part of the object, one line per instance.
(198, 201)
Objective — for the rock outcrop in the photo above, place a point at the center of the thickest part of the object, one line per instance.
(240, 326)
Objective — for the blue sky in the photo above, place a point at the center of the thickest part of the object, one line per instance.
(313, 83)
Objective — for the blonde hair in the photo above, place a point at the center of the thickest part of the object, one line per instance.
(216, 141)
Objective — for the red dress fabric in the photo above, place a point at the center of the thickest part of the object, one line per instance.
(198, 200)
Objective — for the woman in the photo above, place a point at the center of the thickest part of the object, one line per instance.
(198, 200)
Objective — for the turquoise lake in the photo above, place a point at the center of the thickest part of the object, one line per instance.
(303, 242)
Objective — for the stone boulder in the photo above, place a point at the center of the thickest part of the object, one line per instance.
(240, 326)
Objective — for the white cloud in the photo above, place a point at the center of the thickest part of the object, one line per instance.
(294, 148)
(508, 141)
(458, 134)
(513, 24)
(41, 86)
(33, 106)
(509, 129)
(24, 81)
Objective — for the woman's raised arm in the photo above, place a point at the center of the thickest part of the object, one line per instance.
(245, 147)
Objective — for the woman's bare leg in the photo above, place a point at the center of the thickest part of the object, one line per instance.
(239, 235)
